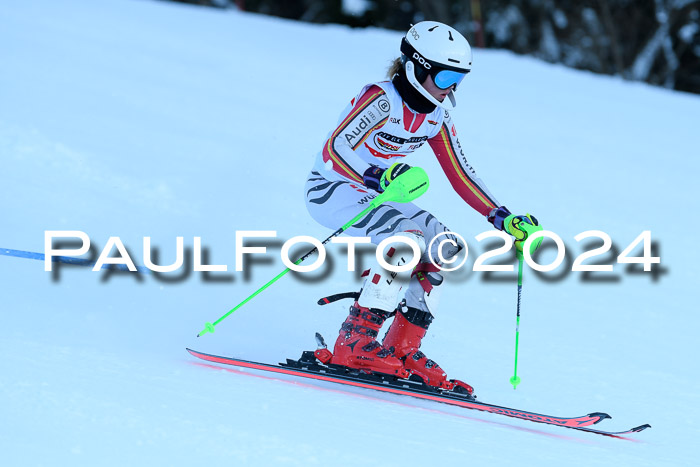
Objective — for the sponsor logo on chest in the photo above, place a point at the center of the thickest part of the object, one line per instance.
(390, 143)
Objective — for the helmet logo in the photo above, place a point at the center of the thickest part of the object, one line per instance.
(414, 33)
(421, 60)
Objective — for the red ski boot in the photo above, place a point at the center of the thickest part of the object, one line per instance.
(404, 338)
(357, 348)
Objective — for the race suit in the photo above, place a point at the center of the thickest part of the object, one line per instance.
(378, 128)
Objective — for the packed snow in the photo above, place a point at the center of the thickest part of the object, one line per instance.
(133, 119)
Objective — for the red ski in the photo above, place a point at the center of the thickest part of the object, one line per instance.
(309, 367)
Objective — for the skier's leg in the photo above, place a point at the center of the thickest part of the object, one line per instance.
(356, 345)
(378, 296)
(380, 291)
(411, 323)
(331, 203)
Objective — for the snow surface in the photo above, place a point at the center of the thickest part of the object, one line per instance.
(138, 118)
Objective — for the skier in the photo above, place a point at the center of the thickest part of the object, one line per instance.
(387, 121)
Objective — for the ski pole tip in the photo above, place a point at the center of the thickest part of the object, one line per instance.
(515, 380)
(208, 327)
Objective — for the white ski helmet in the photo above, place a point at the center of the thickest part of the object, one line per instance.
(438, 50)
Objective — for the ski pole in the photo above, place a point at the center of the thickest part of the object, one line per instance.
(521, 227)
(515, 380)
(405, 188)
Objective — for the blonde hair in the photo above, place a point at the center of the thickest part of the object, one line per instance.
(394, 68)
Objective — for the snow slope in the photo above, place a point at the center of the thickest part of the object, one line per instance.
(138, 118)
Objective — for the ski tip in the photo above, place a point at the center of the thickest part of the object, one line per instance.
(601, 416)
(639, 428)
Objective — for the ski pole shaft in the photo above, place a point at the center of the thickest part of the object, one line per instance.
(209, 327)
(409, 186)
(515, 380)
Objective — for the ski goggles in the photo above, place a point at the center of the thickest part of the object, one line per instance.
(445, 79)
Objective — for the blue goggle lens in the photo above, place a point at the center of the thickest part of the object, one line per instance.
(447, 78)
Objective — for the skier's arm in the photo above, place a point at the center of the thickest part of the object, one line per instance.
(461, 175)
(369, 113)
